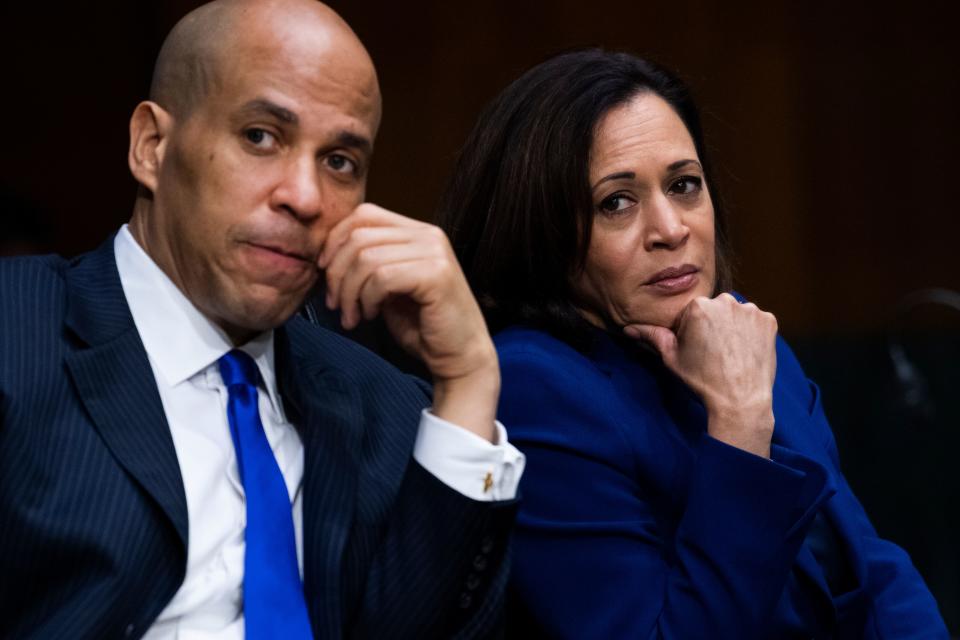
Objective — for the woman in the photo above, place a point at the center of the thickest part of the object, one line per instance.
(682, 480)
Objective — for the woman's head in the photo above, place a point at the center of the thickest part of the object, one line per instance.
(582, 182)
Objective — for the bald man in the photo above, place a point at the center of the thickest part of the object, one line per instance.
(181, 454)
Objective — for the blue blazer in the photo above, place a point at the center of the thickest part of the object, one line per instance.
(93, 519)
(636, 524)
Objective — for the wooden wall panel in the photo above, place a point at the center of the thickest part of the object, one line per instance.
(833, 125)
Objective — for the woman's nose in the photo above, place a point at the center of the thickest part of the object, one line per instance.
(665, 226)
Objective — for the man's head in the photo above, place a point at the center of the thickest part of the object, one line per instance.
(255, 142)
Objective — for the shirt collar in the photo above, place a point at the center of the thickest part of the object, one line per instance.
(180, 341)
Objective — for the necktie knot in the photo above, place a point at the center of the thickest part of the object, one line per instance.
(237, 367)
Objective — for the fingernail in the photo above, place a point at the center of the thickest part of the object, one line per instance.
(328, 299)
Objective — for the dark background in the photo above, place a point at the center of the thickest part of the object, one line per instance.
(834, 128)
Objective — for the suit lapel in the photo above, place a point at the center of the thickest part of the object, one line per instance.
(329, 417)
(115, 382)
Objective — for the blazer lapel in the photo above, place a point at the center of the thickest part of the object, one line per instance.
(114, 380)
(329, 417)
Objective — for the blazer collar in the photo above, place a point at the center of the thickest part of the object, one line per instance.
(115, 382)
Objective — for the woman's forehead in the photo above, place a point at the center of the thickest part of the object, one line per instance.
(644, 130)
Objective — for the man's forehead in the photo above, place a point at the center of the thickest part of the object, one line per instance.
(297, 42)
(315, 42)
(293, 100)
(303, 74)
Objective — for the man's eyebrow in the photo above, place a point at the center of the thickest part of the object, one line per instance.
(355, 141)
(262, 105)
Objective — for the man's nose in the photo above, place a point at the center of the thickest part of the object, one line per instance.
(665, 225)
(300, 192)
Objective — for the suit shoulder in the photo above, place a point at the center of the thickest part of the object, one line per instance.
(792, 379)
(523, 345)
(45, 268)
(542, 374)
(787, 362)
(30, 284)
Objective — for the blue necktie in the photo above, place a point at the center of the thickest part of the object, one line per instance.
(273, 602)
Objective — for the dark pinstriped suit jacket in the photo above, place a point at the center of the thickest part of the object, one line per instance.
(93, 519)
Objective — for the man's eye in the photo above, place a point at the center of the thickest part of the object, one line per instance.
(616, 202)
(686, 185)
(341, 163)
(259, 138)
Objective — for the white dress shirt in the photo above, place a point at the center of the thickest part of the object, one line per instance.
(183, 347)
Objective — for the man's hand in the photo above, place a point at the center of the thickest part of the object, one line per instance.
(726, 352)
(377, 261)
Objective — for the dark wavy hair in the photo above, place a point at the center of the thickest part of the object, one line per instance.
(518, 208)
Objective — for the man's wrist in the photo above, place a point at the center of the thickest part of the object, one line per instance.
(470, 401)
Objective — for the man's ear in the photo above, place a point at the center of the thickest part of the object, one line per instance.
(150, 127)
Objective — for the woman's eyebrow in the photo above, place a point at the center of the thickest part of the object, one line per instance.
(630, 175)
(673, 166)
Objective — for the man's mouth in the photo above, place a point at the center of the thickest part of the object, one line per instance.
(283, 251)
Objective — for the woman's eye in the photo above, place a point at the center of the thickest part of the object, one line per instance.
(341, 163)
(616, 202)
(259, 138)
(686, 185)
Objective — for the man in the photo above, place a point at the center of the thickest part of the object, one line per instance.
(177, 448)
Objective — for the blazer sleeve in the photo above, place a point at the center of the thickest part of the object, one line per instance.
(441, 569)
(901, 605)
(602, 547)
(440, 561)
(390, 551)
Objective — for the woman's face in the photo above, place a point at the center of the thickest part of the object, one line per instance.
(652, 243)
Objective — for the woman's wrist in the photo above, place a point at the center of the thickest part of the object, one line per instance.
(748, 427)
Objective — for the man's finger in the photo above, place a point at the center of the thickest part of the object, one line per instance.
(392, 279)
(369, 260)
(360, 242)
(365, 215)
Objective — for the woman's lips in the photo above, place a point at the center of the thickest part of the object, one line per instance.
(674, 280)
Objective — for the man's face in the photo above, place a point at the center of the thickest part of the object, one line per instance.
(256, 174)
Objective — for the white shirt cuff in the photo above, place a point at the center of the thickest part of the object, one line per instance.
(466, 462)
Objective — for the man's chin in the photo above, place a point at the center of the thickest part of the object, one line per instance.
(256, 315)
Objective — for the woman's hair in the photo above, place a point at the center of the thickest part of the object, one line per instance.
(519, 209)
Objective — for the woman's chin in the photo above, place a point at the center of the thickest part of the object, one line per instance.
(665, 314)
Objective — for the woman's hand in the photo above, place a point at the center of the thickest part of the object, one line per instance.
(726, 352)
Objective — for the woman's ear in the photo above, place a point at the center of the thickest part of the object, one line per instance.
(150, 127)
